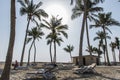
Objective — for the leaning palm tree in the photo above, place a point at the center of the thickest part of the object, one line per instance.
(56, 29)
(33, 35)
(32, 11)
(103, 21)
(87, 8)
(6, 71)
(117, 41)
(69, 49)
(113, 46)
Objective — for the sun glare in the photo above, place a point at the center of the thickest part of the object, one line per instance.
(58, 10)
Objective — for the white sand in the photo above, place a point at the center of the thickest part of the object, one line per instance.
(104, 73)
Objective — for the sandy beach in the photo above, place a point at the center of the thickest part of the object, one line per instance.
(103, 73)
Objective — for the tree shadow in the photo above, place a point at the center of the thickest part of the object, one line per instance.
(103, 76)
(35, 79)
(14, 71)
(40, 79)
(1, 71)
(89, 75)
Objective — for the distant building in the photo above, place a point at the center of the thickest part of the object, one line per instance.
(86, 60)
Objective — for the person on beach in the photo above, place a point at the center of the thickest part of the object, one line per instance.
(15, 65)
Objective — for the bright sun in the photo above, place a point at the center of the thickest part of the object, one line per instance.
(57, 10)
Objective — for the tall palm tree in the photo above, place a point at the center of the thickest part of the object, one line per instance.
(33, 35)
(91, 9)
(103, 21)
(118, 45)
(56, 29)
(69, 49)
(32, 11)
(87, 8)
(113, 46)
(6, 71)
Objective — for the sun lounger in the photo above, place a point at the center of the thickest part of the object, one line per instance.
(86, 69)
(47, 72)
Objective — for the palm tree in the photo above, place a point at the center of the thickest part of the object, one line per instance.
(69, 49)
(49, 42)
(33, 35)
(91, 9)
(104, 48)
(32, 11)
(113, 46)
(118, 45)
(56, 29)
(87, 8)
(6, 71)
(101, 36)
(99, 52)
(103, 21)
(90, 49)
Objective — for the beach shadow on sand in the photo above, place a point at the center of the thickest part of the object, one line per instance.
(1, 71)
(39, 79)
(87, 76)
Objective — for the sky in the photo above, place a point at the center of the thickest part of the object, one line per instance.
(52, 7)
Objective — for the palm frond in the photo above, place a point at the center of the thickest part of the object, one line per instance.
(96, 38)
(23, 11)
(96, 9)
(62, 27)
(64, 34)
(22, 3)
(39, 4)
(28, 40)
(35, 22)
(43, 25)
(49, 41)
(42, 13)
(108, 29)
(47, 23)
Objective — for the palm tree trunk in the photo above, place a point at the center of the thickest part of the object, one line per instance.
(54, 52)
(6, 71)
(34, 52)
(88, 40)
(29, 54)
(50, 51)
(119, 55)
(104, 57)
(108, 62)
(98, 53)
(22, 56)
(114, 57)
(71, 56)
(81, 36)
(98, 59)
